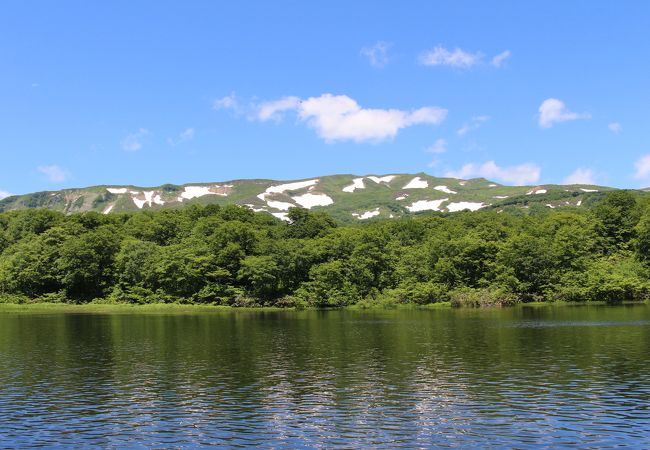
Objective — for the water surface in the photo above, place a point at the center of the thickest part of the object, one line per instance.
(519, 377)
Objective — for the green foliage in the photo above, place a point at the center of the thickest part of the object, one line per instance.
(85, 264)
(617, 217)
(475, 298)
(228, 255)
(308, 225)
(642, 244)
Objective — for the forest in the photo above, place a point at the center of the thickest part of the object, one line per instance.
(229, 255)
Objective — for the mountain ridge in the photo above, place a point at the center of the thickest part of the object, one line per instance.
(347, 197)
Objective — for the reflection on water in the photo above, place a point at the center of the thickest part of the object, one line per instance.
(505, 377)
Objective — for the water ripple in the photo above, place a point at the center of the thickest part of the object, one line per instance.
(449, 379)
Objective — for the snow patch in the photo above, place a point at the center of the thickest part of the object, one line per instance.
(279, 189)
(190, 192)
(385, 179)
(588, 190)
(492, 185)
(357, 183)
(536, 191)
(459, 206)
(117, 190)
(401, 197)
(310, 200)
(579, 203)
(500, 196)
(445, 189)
(367, 214)
(416, 183)
(253, 208)
(426, 205)
(282, 216)
(284, 206)
(541, 191)
(157, 199)
(462, 183)
(148, 198)
(550, 206)
(139, 203)
(108, 209)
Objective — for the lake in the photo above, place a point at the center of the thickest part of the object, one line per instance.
(518, 377)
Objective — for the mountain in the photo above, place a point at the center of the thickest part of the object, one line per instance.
(345, 197)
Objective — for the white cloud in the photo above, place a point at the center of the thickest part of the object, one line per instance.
(5, 194)
(580, 176)
(553, 111)
(133, 142)
(440, 56)
(275, 108)
(615, 127)
(377, 54)
(184, 136)
(518, 175)
(498, 60)
(227, 102)
(340, 118)
(642, 168)
(473, 124)
(53, 173)
(440, 146)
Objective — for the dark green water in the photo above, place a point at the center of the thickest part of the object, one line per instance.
(521, 377)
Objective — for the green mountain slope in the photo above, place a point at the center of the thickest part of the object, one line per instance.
(346, 197)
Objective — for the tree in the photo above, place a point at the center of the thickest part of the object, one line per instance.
(531, 261)
(617, 214)
(259, 276)
(85, 263)
(642, 244)
(305, 224)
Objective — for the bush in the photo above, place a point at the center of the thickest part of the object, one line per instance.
(476, 298)
(422, 293)
(13, 298)
(53, 297)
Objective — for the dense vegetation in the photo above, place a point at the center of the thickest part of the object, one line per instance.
(229, 255)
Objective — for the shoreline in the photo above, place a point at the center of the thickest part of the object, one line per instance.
(190, 308)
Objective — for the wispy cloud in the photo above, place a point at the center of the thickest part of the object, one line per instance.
(581, 176)
(473, 124)
(615, 127)
(438, 147)
(184, 136)
(53, 173)
(5, 194)
(642, 169)
(553, 111)
(134, 141)
(440, 56)
(340, 118)
(275, 108)
(519, 175)
(377, 54)
(500, 59)
(459, 58)
(227, 102)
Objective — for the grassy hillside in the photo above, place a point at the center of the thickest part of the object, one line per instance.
(348, 198)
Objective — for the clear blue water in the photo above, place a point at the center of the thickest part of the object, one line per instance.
(520, 377)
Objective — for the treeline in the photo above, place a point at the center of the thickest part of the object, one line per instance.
(232, 256)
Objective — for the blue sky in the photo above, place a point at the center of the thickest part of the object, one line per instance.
(145, 93)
